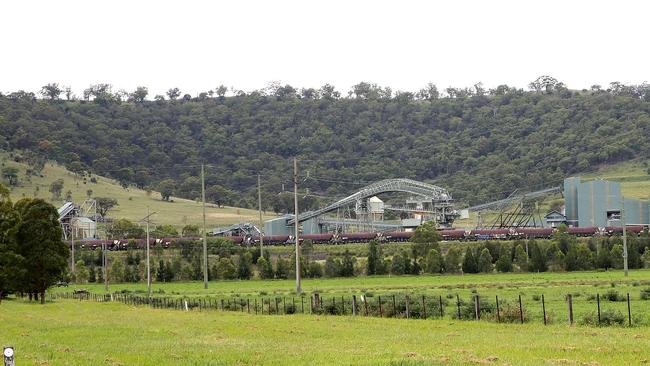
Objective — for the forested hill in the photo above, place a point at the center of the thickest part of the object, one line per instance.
(479, 144)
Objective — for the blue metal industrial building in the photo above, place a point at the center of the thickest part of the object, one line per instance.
(598, 203)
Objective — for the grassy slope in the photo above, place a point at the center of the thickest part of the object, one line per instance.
(633, 175)
(83, 333)
(132, 202)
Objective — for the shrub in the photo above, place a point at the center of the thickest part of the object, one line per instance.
(608, 317)
(536, 297)
(645, 293)
(613, 295)
(510, 313)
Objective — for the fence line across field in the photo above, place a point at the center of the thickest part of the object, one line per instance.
(504, 309)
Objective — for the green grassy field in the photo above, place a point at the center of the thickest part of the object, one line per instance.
(70, 332)
(132, 202)
(583, 286)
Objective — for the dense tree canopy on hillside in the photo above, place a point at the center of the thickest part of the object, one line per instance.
(480, 144)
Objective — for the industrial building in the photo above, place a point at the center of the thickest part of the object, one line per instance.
(598, 203)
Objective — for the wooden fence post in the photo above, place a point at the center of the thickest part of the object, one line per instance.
(424, 307)
(394, 307)
(458, 305)
(365, 304)
(354, 305)
(598, 304)
(498, 311)
(442, 313)
(544, 309)
(477, 307)
(380, 310)
(629, 311)
(408, 313)
(255, 306)
(521, 311)
(342, 305)
(570, 305)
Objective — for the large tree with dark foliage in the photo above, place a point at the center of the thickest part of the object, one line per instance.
(481, 144)
(38, 235)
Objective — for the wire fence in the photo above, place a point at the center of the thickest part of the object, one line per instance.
(594, 310)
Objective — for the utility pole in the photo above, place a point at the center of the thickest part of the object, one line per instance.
(72, 247)
(259, 206)
(147, 220)
(104, 264)
(624, 236)
(296, 224)
(205, 239)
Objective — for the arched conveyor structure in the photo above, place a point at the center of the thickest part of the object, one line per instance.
(441, 199)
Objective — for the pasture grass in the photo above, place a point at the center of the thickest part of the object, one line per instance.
(132, 201)
(583, 286)
(69, 332)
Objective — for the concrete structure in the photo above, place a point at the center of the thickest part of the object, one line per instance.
(376, 208)
(597, 203)
(278, 226)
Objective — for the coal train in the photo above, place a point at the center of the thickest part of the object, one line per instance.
(362, 237)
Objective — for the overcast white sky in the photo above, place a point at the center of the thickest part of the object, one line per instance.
(197, 45)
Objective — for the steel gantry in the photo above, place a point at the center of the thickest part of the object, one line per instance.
(441, 200)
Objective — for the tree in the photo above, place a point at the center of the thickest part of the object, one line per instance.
(56, 188)
(537, 258)
(485, 261)
(139, 95)
(160, 271)
(603, 258)
(374, 258)
(282, 268)
(470, 261)
(221, 91)
(165, 231)
(504, 263)
(452, 260)
(81, 272)
(430, 92)
(332, 266)
(398, 265)
(10, 174)
(347, 265)
(39, 241)
(51, 91)
(434, 262)
(264, 268)
(166, 188)
(105, 204)
(244, 271)
(11, 262)
(173, 93)
(646, 257)
(584, 257)
(226, 269)
(616, 255)
(425, 238)
(191, 230)
(125, 229)
(521, 258)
